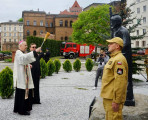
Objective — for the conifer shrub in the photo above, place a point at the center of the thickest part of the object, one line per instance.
(43, 67)
(57, 64)
(67, 66)
(50, 67)
(6, 83)
(77, 65)
(89, 64)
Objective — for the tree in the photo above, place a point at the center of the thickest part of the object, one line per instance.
(20, 20)
(92, 26)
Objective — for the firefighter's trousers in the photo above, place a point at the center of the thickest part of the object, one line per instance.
(110, 114)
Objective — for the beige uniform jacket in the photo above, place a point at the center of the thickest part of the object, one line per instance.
(115, 77)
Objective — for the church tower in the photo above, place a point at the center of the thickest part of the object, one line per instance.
(74, 10)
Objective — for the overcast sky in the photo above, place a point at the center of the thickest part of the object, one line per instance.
(12, 9)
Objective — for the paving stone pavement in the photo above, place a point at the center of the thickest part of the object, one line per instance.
(64, 96)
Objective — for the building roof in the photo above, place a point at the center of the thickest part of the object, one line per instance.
(94, 4)
(74, 10)
(66, 16)
(11, 22)
(32, 11)
(75, 4)
(113, 3)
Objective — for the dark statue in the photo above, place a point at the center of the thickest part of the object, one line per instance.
(119, 31)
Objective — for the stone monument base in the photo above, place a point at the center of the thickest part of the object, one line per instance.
(137, 112)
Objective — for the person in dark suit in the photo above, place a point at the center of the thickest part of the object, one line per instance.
(41, 54)
(47, 55)
(36, 73)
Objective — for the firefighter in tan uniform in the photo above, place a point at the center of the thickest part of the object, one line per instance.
(114, 81)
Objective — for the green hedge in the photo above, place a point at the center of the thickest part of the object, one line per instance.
(6, 83)
(6, 52)
(77, 65)
(67, 66)
(89, 64)
(57, 64)
(43, 67)
(53, 45)
(50, 67)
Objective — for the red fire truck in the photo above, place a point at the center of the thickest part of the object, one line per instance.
(71, 50)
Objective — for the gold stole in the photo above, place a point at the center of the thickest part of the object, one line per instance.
(27, 82)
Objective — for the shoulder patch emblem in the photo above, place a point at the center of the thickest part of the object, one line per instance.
(119, 63)
(109, 62)
(119, 71)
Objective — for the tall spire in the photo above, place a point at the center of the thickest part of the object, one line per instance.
(75, 4)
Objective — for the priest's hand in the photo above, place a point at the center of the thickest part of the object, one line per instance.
(38, 49)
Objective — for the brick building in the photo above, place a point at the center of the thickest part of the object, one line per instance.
(37, 23)
(11, 34)
(0, 36)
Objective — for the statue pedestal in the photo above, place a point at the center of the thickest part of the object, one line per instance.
(130, 102)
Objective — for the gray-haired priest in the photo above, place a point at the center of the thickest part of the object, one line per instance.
(23, 79)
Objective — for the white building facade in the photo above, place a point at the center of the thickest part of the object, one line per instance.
(140, 10)
(11, 34)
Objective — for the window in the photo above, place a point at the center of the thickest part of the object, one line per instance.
(10, 34)
(46, 24)
(137, 43)
(144, 8)
(20, 28)
(4, 28)
(14, 40)
(144, 20)
(14, 28)
(144, 31)
(51, 24)
(138, 0)
(66, 38)
(61, 23)
(14, 34)
(9, 28)
(9, 40)
(68, 45)
(71, 23)
(41, 23)
(5, 34)
(41, 32)
(66, 23)
(34, 23)
(27, 22)
(28, 32)
(20, 34)
(74, 45)
(138, 10)
(34, 33)
(138, 21)
(4, 40)
(61, 38)
(137, 32)
(143, 43)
